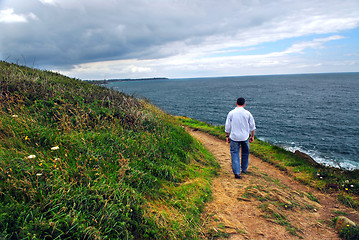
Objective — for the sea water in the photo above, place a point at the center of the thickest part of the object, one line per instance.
(315, 113)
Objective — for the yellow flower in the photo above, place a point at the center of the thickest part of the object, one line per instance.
(26, 138)
(346, 189)
(40, 164)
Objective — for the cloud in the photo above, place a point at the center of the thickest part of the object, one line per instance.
(69, 35)
(201, 65)
(317, 43)
(50, 2)
(8, 16)
(136, 69)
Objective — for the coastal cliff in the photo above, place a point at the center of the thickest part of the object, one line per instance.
(78, 159)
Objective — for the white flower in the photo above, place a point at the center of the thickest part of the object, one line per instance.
(38, 174)
(31, 156)
(55, 148)
(14, 116)
(351, 185)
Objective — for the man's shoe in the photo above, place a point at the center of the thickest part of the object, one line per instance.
(237, 176)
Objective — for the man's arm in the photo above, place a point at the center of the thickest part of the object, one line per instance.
(227, 138)
(252, 127)
(251, 139)
(228, 127)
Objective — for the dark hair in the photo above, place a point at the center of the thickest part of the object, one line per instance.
(241, 101)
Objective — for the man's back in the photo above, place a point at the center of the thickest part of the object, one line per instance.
(239, 124)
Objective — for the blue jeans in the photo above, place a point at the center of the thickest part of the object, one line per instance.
(238, 165)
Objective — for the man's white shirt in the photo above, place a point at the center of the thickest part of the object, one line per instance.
(239, 124)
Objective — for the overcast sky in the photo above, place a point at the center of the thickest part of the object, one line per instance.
(103, 39)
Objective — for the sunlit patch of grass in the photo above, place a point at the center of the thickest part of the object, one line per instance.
(217, 233)
(276, 216)
(311, 197)
(217, 131)
(348, 200)
(340, 213)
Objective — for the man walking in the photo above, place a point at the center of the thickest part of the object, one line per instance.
(239, 124)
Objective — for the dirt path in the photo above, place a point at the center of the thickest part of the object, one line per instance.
(266, 203)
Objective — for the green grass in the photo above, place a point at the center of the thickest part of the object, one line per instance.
(350, 233)
(327, 179)
(80, 161)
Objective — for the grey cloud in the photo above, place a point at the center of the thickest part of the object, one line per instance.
(72, 32)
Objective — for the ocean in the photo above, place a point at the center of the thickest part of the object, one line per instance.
(315, 113)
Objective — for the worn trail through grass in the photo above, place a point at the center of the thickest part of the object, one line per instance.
(266, 203)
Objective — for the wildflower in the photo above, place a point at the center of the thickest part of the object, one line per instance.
(346, 181)
(351, 185)
(346, 189)
(26, 138)
(285, 206)
(15, 116)
(55, 148)
(321, 177)
(31, 156)
(40, 164)
(38, 174)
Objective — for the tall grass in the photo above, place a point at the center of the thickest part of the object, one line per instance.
(80, 161)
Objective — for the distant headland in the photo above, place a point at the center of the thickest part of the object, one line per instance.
(106, 81)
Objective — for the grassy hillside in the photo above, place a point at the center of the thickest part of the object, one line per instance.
(82, 161)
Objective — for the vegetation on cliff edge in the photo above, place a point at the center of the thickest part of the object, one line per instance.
(80, 161)
(343, 183)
